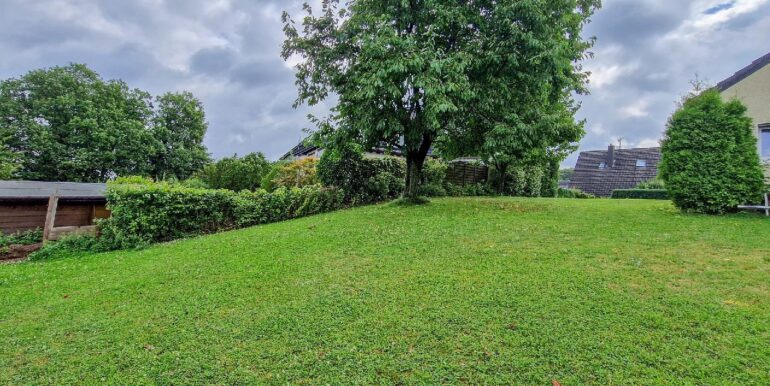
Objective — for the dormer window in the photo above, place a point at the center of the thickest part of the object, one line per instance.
(641, 163)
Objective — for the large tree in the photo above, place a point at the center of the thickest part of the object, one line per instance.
(410, 73)
(68, 124)
(179, 126)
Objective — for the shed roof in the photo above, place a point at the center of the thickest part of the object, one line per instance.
(26, 190)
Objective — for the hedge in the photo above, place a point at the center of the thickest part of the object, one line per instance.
(156, 212)
(643, 194)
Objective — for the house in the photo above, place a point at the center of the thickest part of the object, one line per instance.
(751, 85)
(602, 171)
(24, 205)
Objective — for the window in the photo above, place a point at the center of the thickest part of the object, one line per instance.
(764, 141)
(602, 165)
(641, 163)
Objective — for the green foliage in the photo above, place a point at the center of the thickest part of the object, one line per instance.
(233, 173)
(32, 236)
(70, 246)
(68, 124)
(145, 213)
(468, 76)
(434, 178)
(652, 184)
(642, 194)
(297, 173)
(363, 180)
(179, 125)
(521, 181)
(566, 174)
(573, 193)
(710, 162)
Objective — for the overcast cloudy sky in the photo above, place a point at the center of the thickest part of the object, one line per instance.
(227, 53)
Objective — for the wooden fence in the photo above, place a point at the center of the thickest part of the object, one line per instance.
(464, 173)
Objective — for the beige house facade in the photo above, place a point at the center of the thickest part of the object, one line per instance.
(751, 85)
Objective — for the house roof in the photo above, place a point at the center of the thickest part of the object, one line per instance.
(37, 190)
(744, 73)
(623, 173)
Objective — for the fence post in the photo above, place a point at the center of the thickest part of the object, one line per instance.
(50, 216)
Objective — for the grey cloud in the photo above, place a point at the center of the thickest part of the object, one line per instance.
(228, 54)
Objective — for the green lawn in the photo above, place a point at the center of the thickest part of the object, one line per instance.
(477, 290)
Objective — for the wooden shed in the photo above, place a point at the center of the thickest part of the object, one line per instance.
(69, 207)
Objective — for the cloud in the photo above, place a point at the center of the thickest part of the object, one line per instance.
(227, 52)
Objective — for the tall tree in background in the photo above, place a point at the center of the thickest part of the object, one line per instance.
(179, 126)
(68, 124)
(464, 74)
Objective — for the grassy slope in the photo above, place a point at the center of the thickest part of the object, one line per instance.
(459, 291)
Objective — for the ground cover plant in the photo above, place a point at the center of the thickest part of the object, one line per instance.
(462, 290)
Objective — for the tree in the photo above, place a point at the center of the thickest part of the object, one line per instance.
(68, 124)
(709, 160)
(413, 73)
(235, 173)
(179, 125)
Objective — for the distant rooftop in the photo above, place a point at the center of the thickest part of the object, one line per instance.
(26, 190)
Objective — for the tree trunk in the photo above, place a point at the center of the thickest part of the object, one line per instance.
(415, 160)
(502, 173)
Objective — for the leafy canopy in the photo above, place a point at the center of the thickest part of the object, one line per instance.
(709, 160)
(234, 173)
(68, 124)
(462, 74)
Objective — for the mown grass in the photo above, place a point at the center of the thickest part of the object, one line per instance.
(477, 290)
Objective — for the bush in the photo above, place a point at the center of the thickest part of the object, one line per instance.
(643, 194)
(296, 174)
(363, 180)
(144, 214)
(710, 161)
(29, 237)
(657, 184)
(573, 193)
(70, 246)
(235, 173)
(434, 178)
(521, 181)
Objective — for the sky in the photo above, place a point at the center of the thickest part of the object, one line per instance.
(227, 53)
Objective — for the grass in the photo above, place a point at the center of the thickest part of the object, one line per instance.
(477, 290)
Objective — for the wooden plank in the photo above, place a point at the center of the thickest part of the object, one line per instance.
(59, 232)
(50, 217)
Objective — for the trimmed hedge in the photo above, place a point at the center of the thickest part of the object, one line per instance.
(156, 212)
(642, 194)
(572, 193)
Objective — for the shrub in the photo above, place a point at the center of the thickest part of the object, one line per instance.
(235, 173)
(70, 246)
(434, 178)
(573, 193)
(521, 181)
(652, 184)
(643, 194)
(143, 214)
(297, 173)
(29, 237)
(710, 161)
(363, 180)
